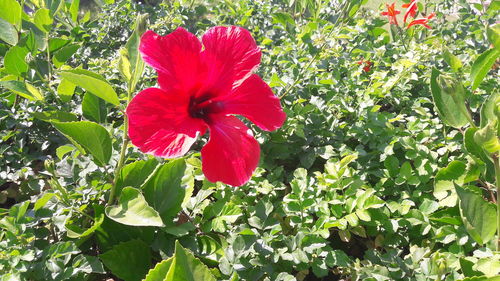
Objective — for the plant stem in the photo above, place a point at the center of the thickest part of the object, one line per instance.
(497, 177)
(123, 151)
(48, 59)
(121, 161)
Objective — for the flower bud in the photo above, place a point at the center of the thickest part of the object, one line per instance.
(49, 166)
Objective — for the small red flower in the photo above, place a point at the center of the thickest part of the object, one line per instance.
(391, 13)
(422, 21)
(200, 88)
(368, 65)
(411, 9)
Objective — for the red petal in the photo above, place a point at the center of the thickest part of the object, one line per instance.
(231, 154)
(254, 100)
(175, 56)
(412, 10)
(159, 123)
(231, 54)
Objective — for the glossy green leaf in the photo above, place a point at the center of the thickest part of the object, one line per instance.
(8, 33)
(445, 105)
(14, 61)
(55, 6)
(129, 261)
(482, 66)
(94, 138)
(166, 190)
(65, 90)
(452, 60)
(57, 43)
(475, 149)
(132, 209)
(187, 267)
(130, 63)
(94, 108)
(22, 89)
(493, 33)
(43, 20)
(87, 264)
(488, 108)
(92, 82)
(444, 183)
(62, 55)
(478, 215)
(55, 116)
(76, 231)
(487, 138)
(38, 35)
(159, 272)
(136, 173)
(10, 11)
(73, 10)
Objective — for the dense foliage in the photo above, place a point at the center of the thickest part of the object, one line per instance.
(383, 170)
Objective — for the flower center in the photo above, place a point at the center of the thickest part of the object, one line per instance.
(204, 105)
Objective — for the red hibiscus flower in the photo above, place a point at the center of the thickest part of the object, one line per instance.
(411, 9)
(368, 65)
(422, 21)
(200, 88)
(391, 13)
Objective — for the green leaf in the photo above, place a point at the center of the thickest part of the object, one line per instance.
(493, 33)
(63, 150)
(22, 89)
(208, 245)
(65, 90)
(55, 6)
(87, 264)
(475, 149)
(14, 61)
(284, 19)
(187, 267)
(487, 138)
(129, 261)
(63, 54)
(482, 66)
(130, 63)
(55, 116)
(478, 215)
(166, 190)
(229, 214)
(94, 108)
(132, 209)
(57, 43)
(488, 108)
(135, 174)
(92, 82)
(445, 105)
(453, 61)
(93, 137)
(42, 201)
(444, 183)
(481, 278)
(76, 231)
(8, 33)
(337, 258)
(159, 272)
(10, 11)
(73, 10)
(391, 163)
(43, 20)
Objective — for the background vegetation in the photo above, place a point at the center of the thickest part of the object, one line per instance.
(376, 175)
